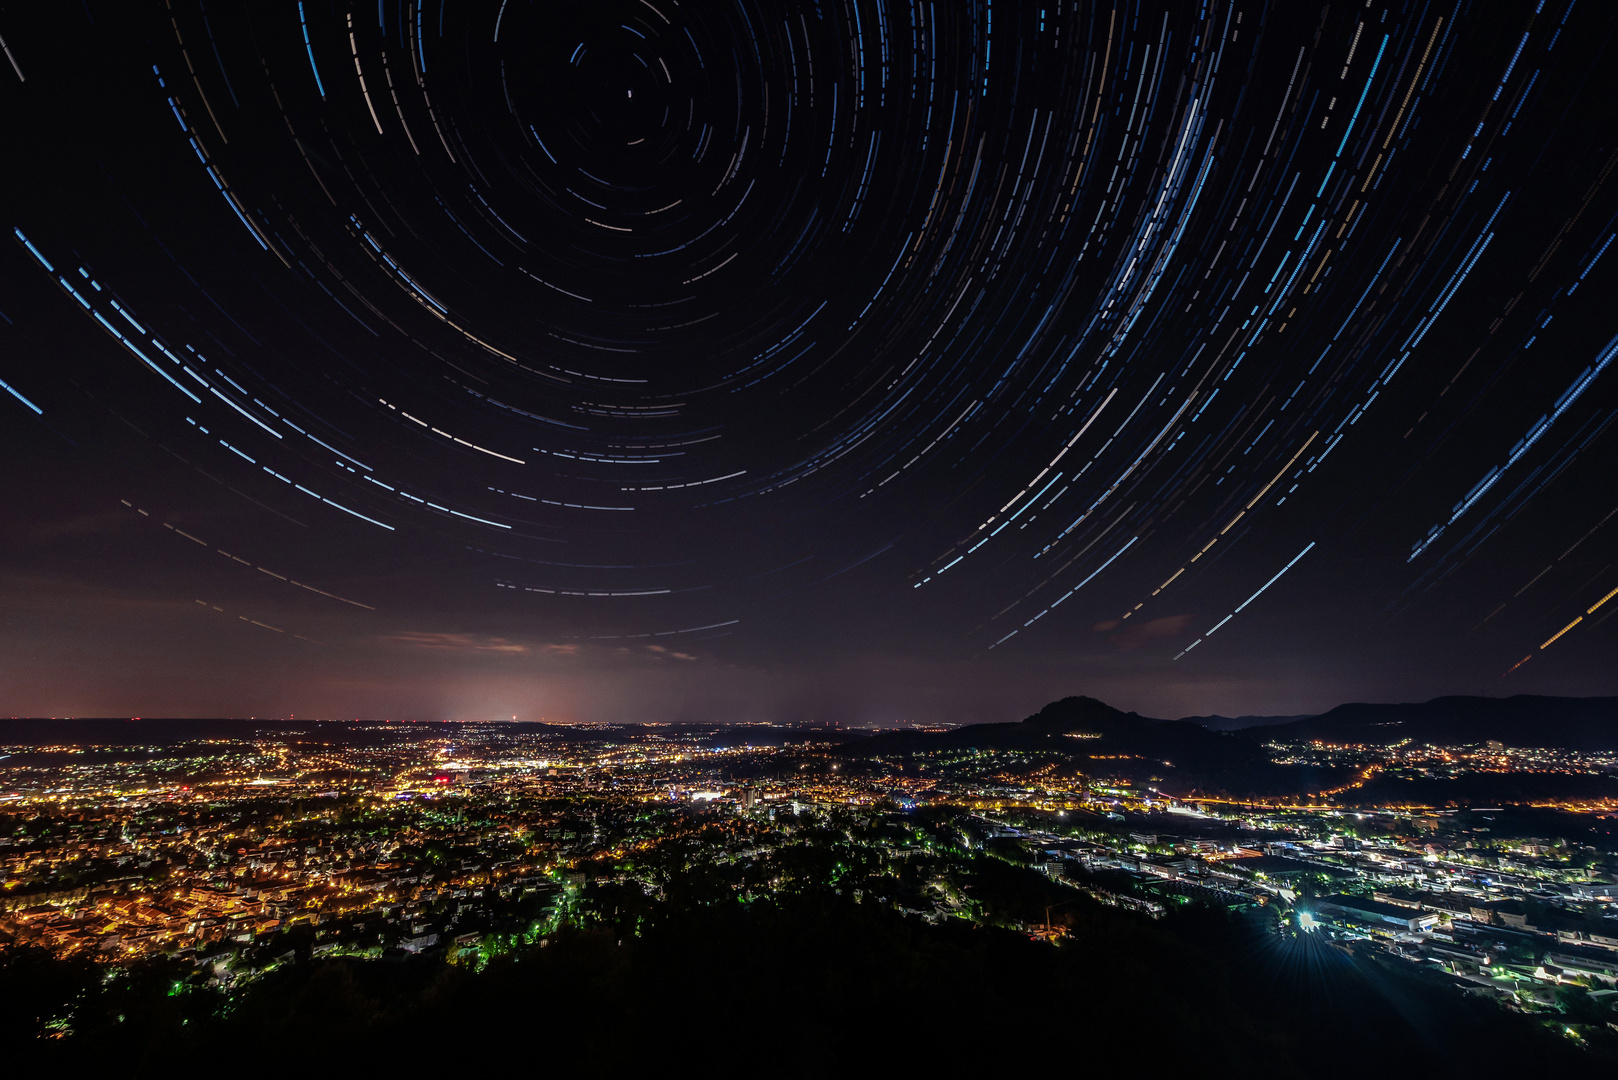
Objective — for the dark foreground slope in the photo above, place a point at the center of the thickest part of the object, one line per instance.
(1524, 720)
(805, 987)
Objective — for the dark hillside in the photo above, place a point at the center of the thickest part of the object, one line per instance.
(1524, 720)
(1177, 756)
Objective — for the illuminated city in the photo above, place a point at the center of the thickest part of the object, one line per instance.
(229, 849)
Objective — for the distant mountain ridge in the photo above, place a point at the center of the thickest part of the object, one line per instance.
(1523, 720)
(1216, 722)
(1175, 755)
(1187, 757)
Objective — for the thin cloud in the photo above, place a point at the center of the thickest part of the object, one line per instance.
(463, 642)
(1143, 634)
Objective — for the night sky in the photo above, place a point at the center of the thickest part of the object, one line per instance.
(805, 361)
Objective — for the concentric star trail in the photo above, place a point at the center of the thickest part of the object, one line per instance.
(988, 322)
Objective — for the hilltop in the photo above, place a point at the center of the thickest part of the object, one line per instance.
(1177, 756)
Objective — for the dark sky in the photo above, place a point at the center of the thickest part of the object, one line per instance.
(836, 360)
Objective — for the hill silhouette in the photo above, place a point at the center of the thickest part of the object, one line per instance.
(1523, 720)
(1175, 756)
(1188, 757)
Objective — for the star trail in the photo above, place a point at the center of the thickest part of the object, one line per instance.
(689, 357)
